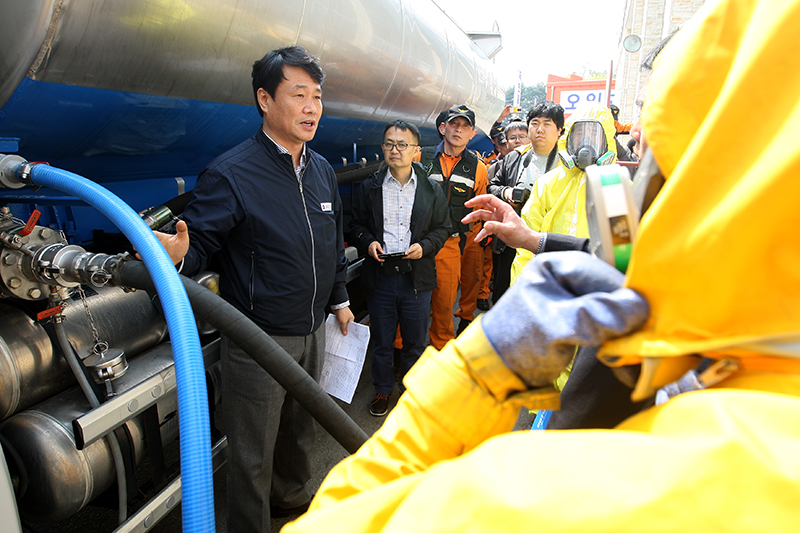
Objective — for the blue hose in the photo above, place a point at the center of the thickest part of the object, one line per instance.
(195, 434)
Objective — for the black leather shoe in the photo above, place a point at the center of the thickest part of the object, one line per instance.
(483, 304)
(280, 512)
(462, 325)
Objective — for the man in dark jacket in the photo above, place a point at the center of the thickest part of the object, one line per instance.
(520, 169)
(270, 209)
(400, 221)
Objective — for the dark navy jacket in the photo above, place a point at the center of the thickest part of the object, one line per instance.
(430, 226)
(280, 242)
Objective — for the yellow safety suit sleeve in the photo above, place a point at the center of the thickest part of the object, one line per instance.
(711, 460)
(423, 431)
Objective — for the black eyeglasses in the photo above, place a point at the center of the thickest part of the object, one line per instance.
(401, 147)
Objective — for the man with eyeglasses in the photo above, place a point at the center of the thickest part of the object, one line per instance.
(400, 221)
(515, 134)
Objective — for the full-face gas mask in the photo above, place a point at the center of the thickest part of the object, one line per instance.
(586, 145)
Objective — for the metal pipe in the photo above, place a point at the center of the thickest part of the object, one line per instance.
(111, 438)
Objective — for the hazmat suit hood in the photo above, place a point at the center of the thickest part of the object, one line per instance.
(558, 200)
(557, 203)
(716, 255)
(583, 114)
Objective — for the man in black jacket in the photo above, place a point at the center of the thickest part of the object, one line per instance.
(400, 221)
(270, 208)
(520, 169)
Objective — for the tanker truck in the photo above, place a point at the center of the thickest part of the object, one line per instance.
(109, 109)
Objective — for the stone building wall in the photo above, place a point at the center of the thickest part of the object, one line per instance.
(651, 20)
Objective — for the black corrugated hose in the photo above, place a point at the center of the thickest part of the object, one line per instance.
(266, 352)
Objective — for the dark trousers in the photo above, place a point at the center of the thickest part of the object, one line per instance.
(502, 272)
(270, 435)
(394, 302)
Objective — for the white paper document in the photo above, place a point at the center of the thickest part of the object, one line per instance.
(344, 358)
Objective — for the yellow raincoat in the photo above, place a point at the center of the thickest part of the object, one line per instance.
(558, 200)
(717, 260)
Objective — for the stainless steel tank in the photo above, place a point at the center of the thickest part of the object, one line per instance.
(384, 60)
(31, 370)
(61, 478)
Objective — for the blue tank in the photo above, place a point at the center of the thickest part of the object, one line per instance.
(135, 95)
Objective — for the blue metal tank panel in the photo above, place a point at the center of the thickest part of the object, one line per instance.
(111, 136)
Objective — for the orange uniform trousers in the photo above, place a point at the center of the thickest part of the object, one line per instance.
(471, 276)
(452, 268)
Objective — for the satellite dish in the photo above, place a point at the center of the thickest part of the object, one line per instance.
(632, 43)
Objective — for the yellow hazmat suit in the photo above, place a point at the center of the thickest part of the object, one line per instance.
(717, 260)
(558, 200)
(714, 257)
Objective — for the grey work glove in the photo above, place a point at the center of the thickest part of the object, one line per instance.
(562, 299)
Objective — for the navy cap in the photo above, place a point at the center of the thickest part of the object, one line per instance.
(496, 131)
(461, 111)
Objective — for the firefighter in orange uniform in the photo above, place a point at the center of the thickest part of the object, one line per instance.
(463, 176)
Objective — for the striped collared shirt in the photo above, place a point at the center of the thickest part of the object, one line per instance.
(298, 170)
(398, 201)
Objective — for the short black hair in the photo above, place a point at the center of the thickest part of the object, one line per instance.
(547, 109)
(268, 71)
(405, 126)
(517, 124)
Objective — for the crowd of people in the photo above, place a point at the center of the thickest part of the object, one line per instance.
(705, 318)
